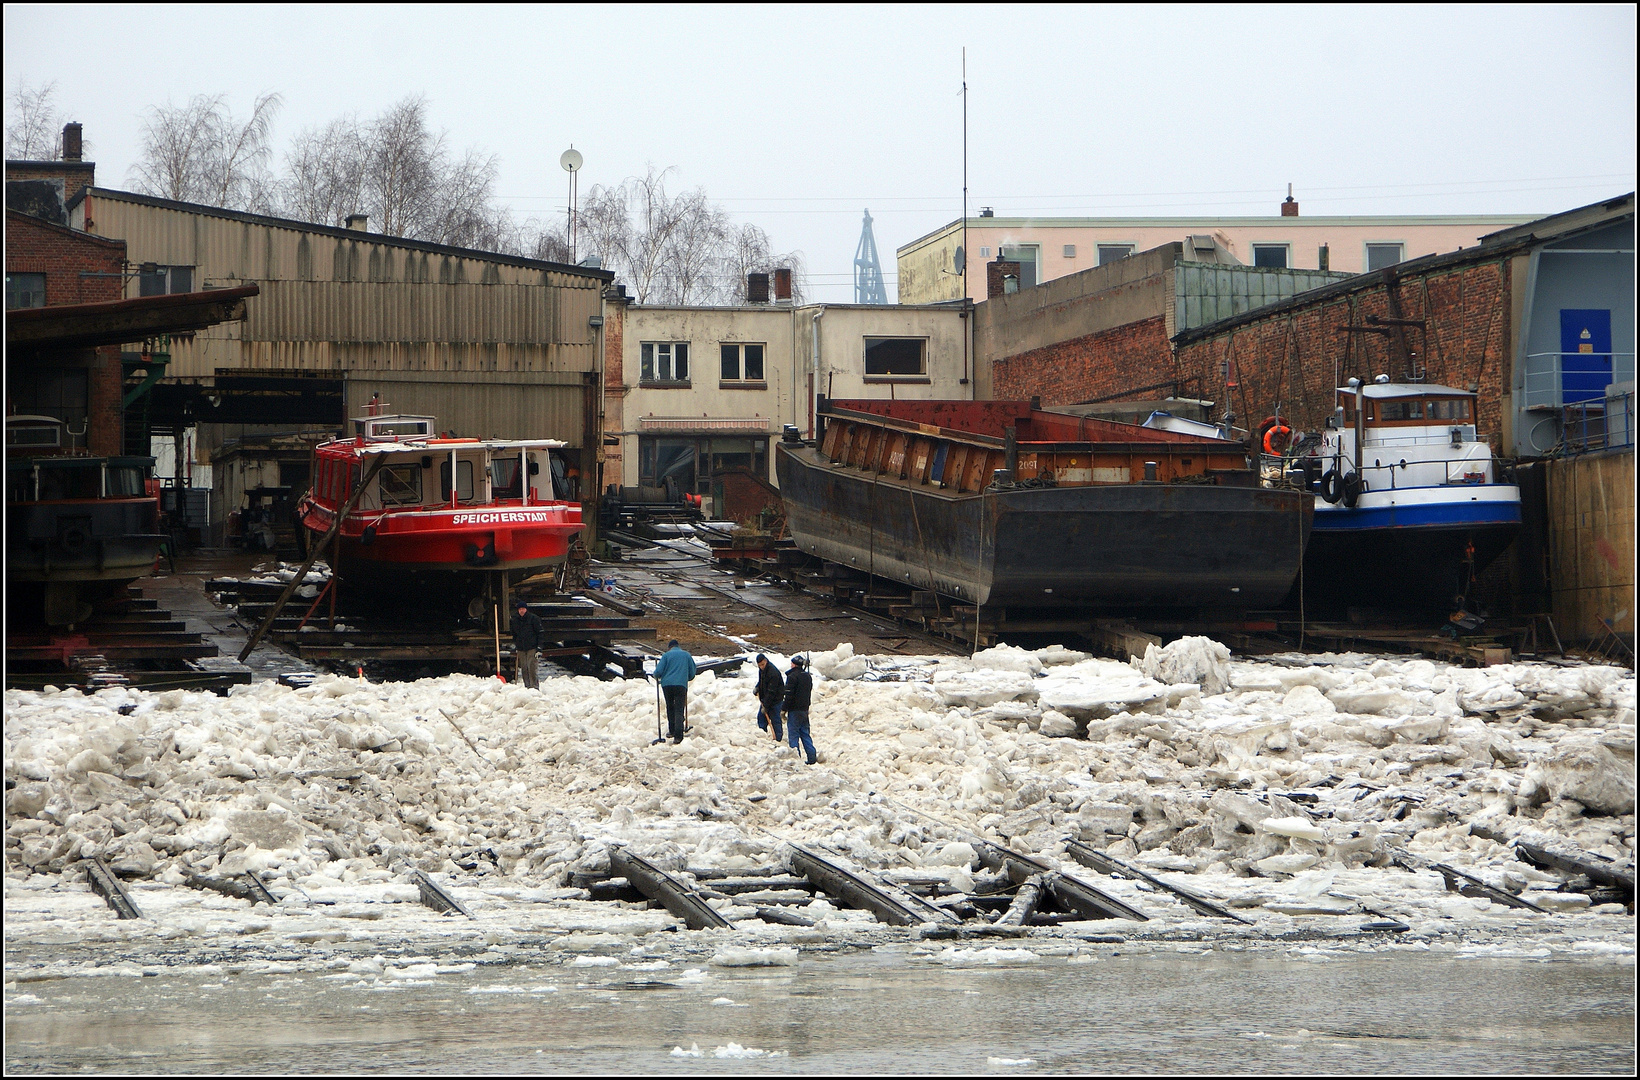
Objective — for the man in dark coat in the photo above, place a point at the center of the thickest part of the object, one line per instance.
(799, 686)
(770, 689)
(527, 632)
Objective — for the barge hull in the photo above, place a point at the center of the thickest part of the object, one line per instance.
(1116, 547)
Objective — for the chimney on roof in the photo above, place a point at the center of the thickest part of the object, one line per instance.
(986, 211)
(1289, 208)
(1001, 276)
(359, 222)
(72, 142)
(757, 288)
(783, 285)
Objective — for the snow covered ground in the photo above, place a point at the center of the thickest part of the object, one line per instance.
(1280, 787)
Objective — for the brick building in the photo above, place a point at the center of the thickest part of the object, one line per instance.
(52, 265)
(1106, 333)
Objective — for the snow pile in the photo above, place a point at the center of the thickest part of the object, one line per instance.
(1198, 660)
(736, 957)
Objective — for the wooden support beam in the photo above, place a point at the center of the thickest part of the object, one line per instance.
(852, 889)
(1474, 885)
(106, 885)
(1105, 864)
(680, 899)
(433, 895)
(1025, 900)
(1073, 895)
(1587, 865)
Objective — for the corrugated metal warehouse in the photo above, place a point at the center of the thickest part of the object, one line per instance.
(489, 344)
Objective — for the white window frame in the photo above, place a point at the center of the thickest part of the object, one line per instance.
(741, 379)
(1132, 250)
(921, 376)
(650, 361)
(1036, 261)
(1285, 245)
(1366, 252)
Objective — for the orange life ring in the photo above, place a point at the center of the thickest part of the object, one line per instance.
(1276, 437)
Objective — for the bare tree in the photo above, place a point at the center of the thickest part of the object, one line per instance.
(34, 128)
(324, 173)
(680, 249)
(199, 153)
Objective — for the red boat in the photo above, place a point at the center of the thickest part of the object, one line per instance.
(438, 513)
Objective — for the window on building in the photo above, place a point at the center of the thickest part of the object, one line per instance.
(1109, 253)
(62, 393)
(25, 291)
(165, 279)
(1070, 251)
(1382, 255)
(464, 481)
(1028, 256)
(985, 253)
(688, 464)
(401, 484)
(1270, 255)
(742, 362)
(896, 356)
(664, 362)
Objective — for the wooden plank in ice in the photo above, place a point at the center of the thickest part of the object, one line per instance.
(852, 889)
(1095, 859)
(106, 885)
(1073, 895)
(434, 896)
(1602, 873)
(668, 891)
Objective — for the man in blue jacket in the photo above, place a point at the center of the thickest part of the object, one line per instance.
(673, 672)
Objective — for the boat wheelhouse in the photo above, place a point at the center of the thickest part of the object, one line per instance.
(77, 526)
(1412, 504)
(435, 511)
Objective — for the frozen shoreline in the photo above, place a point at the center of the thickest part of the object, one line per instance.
(1186, 766)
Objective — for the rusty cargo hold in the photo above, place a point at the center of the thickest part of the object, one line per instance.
(995, 503)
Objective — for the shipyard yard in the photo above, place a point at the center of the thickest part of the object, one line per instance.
(1309, 797)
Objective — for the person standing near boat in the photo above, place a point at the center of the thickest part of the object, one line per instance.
(799, 687)
(770, 689)
(527, 632)
(674, 672)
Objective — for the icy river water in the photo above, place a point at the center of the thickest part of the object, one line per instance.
(886, 1010)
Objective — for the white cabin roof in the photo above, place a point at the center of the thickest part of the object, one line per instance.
(1404, 390)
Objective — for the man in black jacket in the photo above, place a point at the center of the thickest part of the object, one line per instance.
(770, 689)
(799, 686)
(527, 632)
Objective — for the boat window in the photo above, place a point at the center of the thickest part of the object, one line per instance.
(401, 484)
(57, 482)
(504, 479)
(1410, 409)
(19, 485)
(124, 481)
(1449, 409)
(464, 481)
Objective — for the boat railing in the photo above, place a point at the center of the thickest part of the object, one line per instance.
(1381, 475)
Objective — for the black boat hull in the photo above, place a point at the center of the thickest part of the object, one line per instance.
(1411, 569)
(1107, 548)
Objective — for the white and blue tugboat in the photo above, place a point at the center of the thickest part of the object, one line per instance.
(1410, 503)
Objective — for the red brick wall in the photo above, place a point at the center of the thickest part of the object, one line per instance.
(37, 247)
(1297, 358)
(1113, 361)
(74, 174)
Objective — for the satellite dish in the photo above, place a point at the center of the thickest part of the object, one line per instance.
(961, 259)
(571, 159)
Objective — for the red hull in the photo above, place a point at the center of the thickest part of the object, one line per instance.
(492, 537)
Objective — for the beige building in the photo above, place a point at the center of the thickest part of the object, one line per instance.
(693, 391)
(1049, 248)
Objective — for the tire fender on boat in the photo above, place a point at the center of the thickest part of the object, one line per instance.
(1351, 488)
(368, 536)
(1332, 486)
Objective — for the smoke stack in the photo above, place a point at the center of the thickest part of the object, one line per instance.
(1289, 208)
(359, 222)
(757, 288)
(783, 285)
(71, 142)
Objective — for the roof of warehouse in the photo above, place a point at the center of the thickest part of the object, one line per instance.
(339, 233)
(1492, 246)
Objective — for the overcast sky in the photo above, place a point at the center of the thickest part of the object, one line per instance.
(797, 118)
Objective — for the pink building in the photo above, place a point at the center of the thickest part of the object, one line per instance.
(1047, 248)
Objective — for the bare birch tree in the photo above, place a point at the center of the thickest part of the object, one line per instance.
(198, 153)
(324, 173)
(34, 127)
(676, 249)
